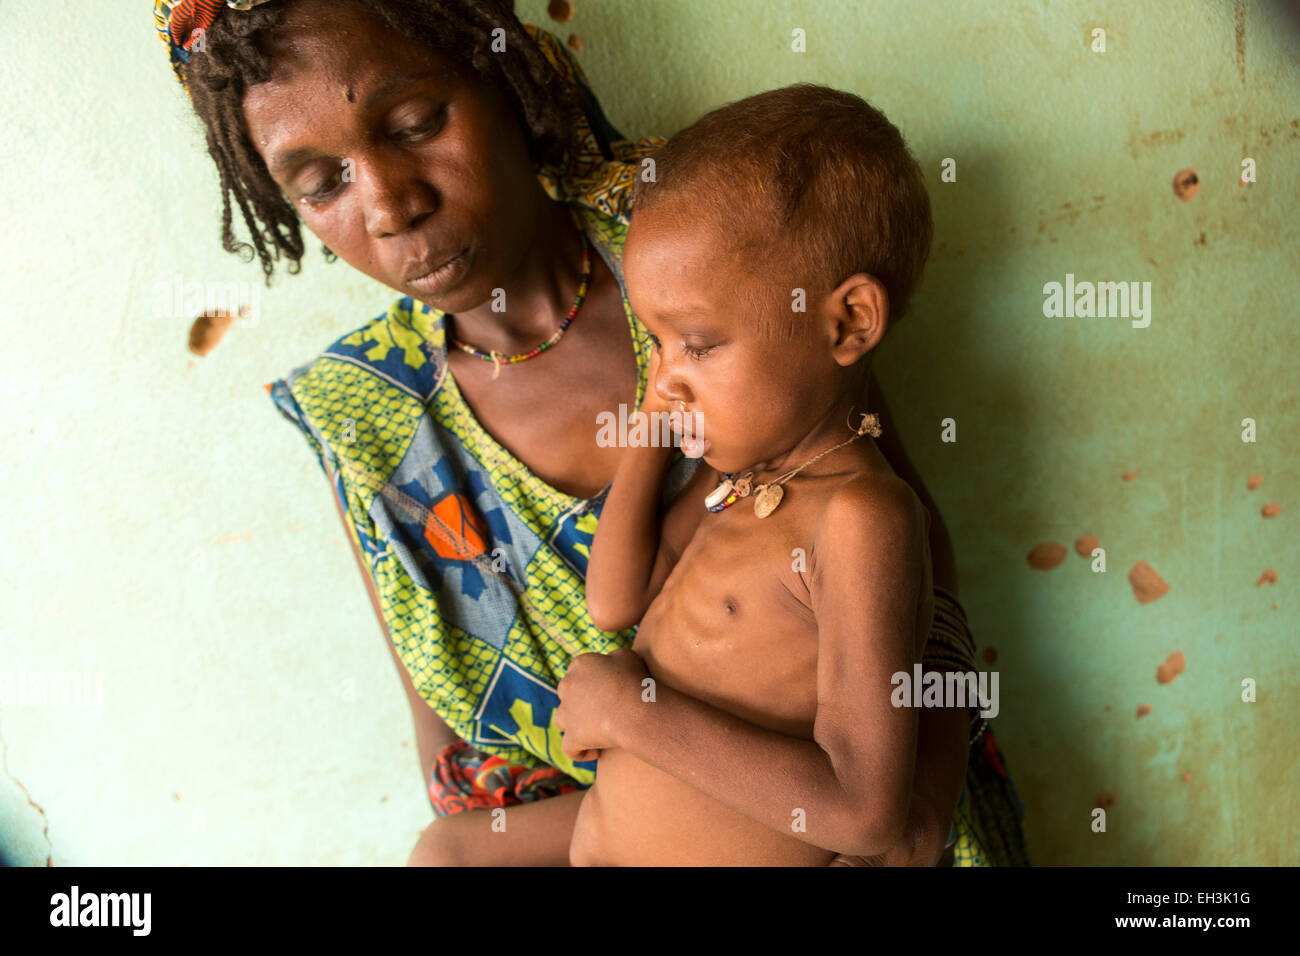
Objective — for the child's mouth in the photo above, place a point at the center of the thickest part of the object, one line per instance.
(695, 447)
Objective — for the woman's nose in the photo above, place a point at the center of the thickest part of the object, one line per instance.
(395, 199)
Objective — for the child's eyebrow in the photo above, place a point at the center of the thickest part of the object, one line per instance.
(682, 311)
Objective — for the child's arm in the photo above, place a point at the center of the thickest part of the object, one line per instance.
(853, 781)
(636, 547)
(627, 567)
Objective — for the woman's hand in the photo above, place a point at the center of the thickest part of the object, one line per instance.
(597, 690)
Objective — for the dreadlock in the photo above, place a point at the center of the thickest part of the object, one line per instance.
(234, 59)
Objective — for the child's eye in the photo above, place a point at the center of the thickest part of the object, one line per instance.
(696, 353)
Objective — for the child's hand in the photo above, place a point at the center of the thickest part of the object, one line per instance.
(595, 692)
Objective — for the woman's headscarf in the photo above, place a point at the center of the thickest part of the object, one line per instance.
(598, 171)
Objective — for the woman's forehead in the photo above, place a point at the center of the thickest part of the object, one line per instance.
(346, 44)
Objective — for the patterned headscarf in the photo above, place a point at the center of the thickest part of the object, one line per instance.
(598, 172)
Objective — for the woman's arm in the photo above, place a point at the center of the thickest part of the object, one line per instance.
(537, 834)
(431, 734)
(530, 834)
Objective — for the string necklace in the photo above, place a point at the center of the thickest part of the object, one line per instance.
(497, 358)
(769, 494)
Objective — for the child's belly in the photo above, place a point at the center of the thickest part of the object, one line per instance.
(636, 815)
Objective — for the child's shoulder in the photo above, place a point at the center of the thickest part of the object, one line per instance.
(870, 511)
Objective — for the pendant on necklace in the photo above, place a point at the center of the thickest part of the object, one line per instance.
(767, 499)
(717, 499)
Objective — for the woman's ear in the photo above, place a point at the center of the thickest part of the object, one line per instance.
(860, 309)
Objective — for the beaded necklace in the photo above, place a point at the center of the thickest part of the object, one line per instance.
(768, 495)
(498, 359)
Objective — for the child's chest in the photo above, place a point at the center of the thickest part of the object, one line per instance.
(732, 624)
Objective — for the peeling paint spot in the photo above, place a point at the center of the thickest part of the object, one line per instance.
(1046, 556)
(1129, 476)
(561, 11)
(1104, 801)
(1147, 583)
(1254, 481)
(1186, 184)
(1174, 665)
(1083, 547)
(1268, 577)
(1143, 710)
(1271, 510)
(208, 330)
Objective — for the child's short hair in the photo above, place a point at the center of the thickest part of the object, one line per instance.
(810, 173)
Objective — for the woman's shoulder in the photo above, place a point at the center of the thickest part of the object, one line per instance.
(396, 361)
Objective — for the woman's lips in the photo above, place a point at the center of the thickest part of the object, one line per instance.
(443, 277)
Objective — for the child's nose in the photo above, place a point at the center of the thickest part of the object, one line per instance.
(670, 387)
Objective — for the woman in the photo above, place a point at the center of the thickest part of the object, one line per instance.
(457, 156)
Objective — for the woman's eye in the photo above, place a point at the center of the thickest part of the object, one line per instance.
(325, 190)
(423, 131)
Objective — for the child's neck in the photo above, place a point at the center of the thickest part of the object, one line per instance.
(834, 425)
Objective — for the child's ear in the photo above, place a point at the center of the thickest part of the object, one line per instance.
(860, 308)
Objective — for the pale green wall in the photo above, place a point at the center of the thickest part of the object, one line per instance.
(225, 669)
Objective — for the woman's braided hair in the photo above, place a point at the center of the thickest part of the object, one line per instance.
(233, 60)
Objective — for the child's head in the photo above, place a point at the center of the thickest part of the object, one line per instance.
(390, 128)
(777, 239)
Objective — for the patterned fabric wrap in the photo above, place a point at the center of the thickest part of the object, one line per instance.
(480, 565)
(465, 778)
(990, 813)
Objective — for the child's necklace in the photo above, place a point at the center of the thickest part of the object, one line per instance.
(497, 358)
(768, 495)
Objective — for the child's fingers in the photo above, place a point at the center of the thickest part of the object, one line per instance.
(577, 753)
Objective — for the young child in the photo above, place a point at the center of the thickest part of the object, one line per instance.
(789, 579)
